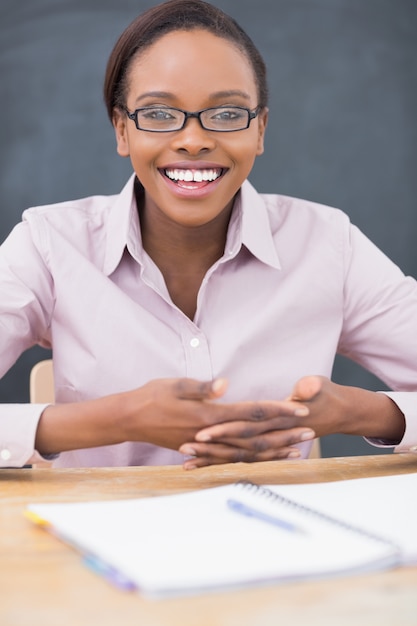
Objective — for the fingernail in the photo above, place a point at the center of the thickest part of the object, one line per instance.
(203, 437)
(190, 466)
(301, 411)
(309, 434)
(187, 449)
(217, 384)
(295, 454)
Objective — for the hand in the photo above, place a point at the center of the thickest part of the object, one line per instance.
(325, 408)
(268, 437)
(337, 408)
(170, 412)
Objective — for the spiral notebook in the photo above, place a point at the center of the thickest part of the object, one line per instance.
(222, 537)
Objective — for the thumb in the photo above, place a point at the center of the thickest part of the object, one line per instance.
(306, 388)
(189, 389)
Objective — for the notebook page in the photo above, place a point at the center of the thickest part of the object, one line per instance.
(386, 505)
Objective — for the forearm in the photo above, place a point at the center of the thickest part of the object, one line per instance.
(165, 413)
(79, 425)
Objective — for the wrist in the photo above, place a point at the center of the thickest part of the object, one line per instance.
(373, 415)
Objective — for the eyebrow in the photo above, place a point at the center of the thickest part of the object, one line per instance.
(165, 95)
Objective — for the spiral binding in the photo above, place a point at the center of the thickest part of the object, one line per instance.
(276, 497)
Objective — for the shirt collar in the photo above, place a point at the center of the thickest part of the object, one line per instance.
(123, 228)
(249, 226)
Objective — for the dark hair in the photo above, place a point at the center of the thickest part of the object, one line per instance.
(167, 17)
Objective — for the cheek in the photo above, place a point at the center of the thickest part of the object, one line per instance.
(147, 147)
(142, 152)
(246, 150)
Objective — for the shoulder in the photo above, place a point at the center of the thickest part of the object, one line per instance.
(296, 221)
(93, 210)
(90, 211)
(83, 223)
(283, 210)
(302, 214)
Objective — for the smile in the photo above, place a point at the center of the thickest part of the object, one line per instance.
(194, 176)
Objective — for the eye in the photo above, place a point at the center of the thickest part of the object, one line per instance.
(158, 115)
(229, 114)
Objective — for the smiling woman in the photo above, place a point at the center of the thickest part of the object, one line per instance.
(222, 308)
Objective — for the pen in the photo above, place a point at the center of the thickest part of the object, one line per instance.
(244, 509)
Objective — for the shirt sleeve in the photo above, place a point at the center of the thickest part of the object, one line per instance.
(26, 299)
(17, 435)
(407, 403)
(379, 330)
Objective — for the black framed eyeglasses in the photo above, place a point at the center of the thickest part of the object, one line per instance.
(161, 119)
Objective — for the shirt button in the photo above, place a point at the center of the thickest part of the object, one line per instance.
(195, 342)
(413, 449)
(5, 454)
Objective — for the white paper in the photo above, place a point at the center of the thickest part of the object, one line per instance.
(193, 542)
(385, 505)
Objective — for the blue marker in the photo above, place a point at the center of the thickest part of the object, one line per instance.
(244, 509)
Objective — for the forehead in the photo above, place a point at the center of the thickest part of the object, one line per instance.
(191, 61)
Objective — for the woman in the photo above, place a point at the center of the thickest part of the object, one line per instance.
(191, 319)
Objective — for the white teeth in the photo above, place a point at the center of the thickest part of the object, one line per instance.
(196, 176)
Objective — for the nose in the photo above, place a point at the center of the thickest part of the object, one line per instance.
(193, 138)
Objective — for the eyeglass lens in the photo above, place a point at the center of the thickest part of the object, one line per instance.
(166, 119)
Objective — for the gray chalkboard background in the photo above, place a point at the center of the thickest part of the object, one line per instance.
(342, 131)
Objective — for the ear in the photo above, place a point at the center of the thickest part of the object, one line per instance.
(120, 128)
(262, 123)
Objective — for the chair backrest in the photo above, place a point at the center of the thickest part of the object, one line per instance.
(41, 382)
(315, 452)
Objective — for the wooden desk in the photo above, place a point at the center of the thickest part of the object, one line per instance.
(43, 582)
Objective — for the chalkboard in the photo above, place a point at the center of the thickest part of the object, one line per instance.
(342, 129)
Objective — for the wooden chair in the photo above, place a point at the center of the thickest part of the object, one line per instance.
(315, 452)
(41, 390)
(41, 382)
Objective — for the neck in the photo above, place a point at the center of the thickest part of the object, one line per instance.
(175, 247)
(183, 253)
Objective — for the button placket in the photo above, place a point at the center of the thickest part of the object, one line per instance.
(196, 351)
